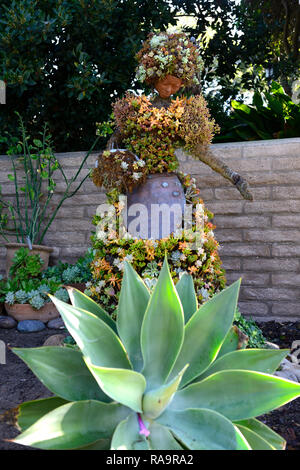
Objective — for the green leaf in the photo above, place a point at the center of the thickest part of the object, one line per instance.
(237, 394)
(155, 401)
(11, 177)
(187, 295)
(162, 330)
(259, 360)
(74, 425)
(202, 429)
(63, 371)
(80, 300)
(122, 385)
(205, 332)
(127, 437)
(134, 298)
(161, 438)
(101, 444)
(276, 441)
(30, 411)
(95, 338)
(255, 441)
(38, 143)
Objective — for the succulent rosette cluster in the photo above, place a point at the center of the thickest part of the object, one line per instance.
(165, 54)
(119, 169)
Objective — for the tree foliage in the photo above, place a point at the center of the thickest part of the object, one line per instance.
(64, 60)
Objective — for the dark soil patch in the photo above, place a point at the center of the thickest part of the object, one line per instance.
(19, 384)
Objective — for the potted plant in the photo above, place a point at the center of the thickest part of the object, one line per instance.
(26, 292)
(76, 275)
(33, 167)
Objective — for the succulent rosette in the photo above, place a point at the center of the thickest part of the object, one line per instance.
(165, 54)
(167, 375)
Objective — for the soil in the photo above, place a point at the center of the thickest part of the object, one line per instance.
(18, 383)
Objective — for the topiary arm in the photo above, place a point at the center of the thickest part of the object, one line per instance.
(220, 167)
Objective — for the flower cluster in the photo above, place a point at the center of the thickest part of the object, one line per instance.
(146, 256)
(169, 54)
(119, 169)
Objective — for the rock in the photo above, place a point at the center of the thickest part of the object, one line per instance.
(287, 374)
(30, 326)
(7, 322)
(56, 324)
(271, 345)
(54, 340)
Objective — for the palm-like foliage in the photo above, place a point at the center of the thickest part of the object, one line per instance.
(165, 376)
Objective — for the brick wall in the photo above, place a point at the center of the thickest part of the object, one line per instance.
(260, 240)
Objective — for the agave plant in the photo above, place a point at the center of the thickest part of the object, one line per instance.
(166, 375)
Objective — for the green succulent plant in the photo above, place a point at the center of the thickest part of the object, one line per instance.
(166, 375)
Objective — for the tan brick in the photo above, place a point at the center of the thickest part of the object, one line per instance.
(243, 249)
(281, 250)
(65, 238)
(270, 293)
(288, 279)
(273, 235)
(71, 212)
(270, 265)
(207, 194)
(252, 308)
(287, 163)
(286, 309)
(71, 225)
(286, 220)
(226, 207)
(231, 193)
(74, 159)
(249, 279)
(286, 192)
(272, 177)
(271, 148)
(272, 206)
(228, 235)
(244, 221)
(230, 264)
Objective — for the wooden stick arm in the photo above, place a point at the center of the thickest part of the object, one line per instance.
(206, 156)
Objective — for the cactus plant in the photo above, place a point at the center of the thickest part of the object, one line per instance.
(166, 375)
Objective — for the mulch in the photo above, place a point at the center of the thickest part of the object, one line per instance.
(19, 384)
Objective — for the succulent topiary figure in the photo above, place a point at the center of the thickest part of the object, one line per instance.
(165, 376)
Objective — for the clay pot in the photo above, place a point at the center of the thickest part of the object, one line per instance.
(26, 312)
(167, 86)
(43, 251)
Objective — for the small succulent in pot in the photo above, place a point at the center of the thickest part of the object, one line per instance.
(165, 376)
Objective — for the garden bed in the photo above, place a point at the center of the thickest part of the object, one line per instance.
(18, 383)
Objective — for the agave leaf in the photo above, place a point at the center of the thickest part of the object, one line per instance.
(127, 437)
(276, 441)
(187, 295)
(63, 371)
(95, 338)
(133, 302)
(73, 425)
(255, 441)
(101, 444)
(30, 411)
(80, 300)
(161, 438)
(260, 360)
(122, 385)
(155, 401)
(202, 429)
(162, 330)
(205, 333)
(234, 340)
(237, 394)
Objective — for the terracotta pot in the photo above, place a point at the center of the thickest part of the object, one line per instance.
(26, 312)
(43, 251)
